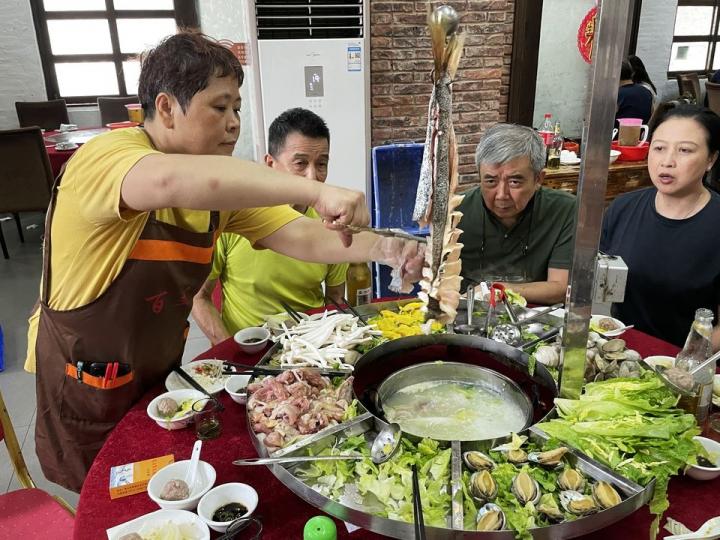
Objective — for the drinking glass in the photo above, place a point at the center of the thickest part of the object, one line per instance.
(207, 418)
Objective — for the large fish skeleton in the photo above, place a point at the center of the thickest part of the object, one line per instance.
(436, 201)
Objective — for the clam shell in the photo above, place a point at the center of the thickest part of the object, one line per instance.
(547, 355)
(599, 377)
(516, 457)
(549, 458)
(477, 461)
(614, 345)
(490, 518)
(483, 486)
(633, 355)
(571, 480)
(605, 495)
(629, 369)
(525, 488)
(577, 503)
(619, 356)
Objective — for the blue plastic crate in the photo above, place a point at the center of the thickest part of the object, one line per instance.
(396, 171)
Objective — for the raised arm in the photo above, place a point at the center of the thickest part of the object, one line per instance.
(225, 183)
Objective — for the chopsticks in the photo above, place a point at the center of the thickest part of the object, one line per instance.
(290, 311)
(330, 301)
(267, 370)
(196, 385)
(417, 506)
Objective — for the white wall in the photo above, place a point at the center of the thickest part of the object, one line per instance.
(563, 75)
(223, 19)
(657, 21)
(21, 76)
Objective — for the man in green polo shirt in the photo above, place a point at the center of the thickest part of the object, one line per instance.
(516, 231)
(255, 282)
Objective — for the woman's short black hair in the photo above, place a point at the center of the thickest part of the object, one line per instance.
(626, 71)
(306, 123)
(640, 74)
(709, 121)
(182, 65)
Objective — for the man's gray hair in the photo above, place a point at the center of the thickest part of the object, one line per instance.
(505, 142)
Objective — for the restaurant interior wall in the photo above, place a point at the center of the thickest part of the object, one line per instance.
(562, 74)
(400, 66)
(21, 76)
(223, 19)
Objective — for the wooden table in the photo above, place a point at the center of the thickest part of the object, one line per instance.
(623, 176)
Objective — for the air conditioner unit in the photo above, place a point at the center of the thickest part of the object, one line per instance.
(315, 54)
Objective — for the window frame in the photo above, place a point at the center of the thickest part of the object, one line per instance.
(712, 39)
(184, 12)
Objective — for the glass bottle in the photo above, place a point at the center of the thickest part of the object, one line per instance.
(553, 161)
(359, 284)
(546, 130)
(697, 349)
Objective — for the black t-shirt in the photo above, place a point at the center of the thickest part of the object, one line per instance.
(673, 264)
(634, 101)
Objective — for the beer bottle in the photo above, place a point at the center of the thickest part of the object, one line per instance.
(697, 349)
(359, 284)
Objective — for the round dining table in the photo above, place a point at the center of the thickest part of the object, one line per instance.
(284, 514)
(59, 157)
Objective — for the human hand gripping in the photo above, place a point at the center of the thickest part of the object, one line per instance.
(340, 207)
(406, 257)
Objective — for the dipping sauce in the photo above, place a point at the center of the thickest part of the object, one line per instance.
(229, 512)
(453, 411)
(252, 340)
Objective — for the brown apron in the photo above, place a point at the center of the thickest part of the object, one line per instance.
(140, 322)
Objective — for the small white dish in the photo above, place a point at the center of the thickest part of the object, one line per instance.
(570, 161)
(68, 127)
(252, 339)
(234, 492)
(236, 386)
(595, 320)
(204, 480)
(146, 523)
(199, 371)
(180, 396)
(698, 472)
(614, 155)
(661, 361)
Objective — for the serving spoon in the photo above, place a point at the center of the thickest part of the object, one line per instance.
(384, 446)
(708, 530)
(191, 475)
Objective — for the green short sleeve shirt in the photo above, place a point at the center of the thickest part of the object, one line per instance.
(542, 238)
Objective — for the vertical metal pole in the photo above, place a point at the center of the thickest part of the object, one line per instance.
(600, 114)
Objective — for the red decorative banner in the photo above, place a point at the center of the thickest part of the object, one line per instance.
(586, 34)
(238, 49)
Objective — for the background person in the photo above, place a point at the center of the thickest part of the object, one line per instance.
(667, 234)
(129, 239)
(255, 282)
(634, 100)
(515, 229)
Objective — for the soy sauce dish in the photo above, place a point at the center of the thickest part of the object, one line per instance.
(225, 502)
(253, 339)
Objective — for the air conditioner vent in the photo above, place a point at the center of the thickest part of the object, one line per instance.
(309, 19)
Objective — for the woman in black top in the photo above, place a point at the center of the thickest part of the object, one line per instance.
(669, 235)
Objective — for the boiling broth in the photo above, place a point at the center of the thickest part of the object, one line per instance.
(449, 410)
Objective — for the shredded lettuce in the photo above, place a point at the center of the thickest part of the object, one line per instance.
(390, 482)
(632, 426)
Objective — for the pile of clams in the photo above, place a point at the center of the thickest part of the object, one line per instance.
(605, 358)
(574, 497)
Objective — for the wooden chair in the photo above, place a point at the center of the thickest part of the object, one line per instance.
(29, 512)
(713, 96)
(44, 114)
(112, 109)
(25, 175)
(689, 83)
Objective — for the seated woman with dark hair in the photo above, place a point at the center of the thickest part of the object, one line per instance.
(667, 234)
(634, 100)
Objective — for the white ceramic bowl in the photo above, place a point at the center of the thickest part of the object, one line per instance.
(697, 471)
(177, 471)
(595, 320)
(614, 154)
(236, 386)
(222, 495)
(157, 518)
(179, 396)
(252, 333)
(660, 361)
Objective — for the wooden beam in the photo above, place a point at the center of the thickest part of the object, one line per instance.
(524, 63)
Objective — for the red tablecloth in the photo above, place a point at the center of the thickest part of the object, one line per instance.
(58, 157)
(137, 437)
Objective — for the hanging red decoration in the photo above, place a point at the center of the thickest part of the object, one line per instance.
(586, 34)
